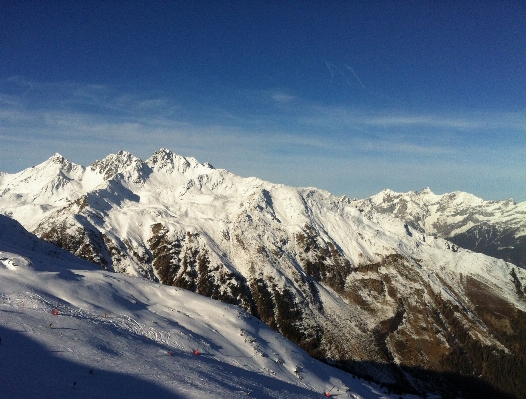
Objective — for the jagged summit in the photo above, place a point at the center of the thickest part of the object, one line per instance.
(117, 163)
(113, 164)
(57, 158)
(425, 191)
(168, 161)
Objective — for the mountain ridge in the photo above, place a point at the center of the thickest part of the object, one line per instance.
(495, 228)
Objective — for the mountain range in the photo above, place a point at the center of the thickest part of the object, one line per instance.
(385, 287)
(494, 228)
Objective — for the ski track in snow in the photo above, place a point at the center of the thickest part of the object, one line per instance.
(151, 353)
(114, 323)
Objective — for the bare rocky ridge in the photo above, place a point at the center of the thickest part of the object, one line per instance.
(384, 298)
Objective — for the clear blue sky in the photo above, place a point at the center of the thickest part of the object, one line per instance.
(349, 96)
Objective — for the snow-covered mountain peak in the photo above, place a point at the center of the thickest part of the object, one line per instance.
(58, 163)
(426, 190)
(386, 191)
(461, 198)
(496, 228)
(118, 163)
(164, 158)
(426, 194)
(43, 183)
(57, 158)
(168, 162)
(426, 197)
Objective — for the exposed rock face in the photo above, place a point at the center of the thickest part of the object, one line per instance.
(353, 287)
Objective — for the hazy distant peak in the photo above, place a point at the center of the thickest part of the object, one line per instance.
(387, 191)
(425, 191)
(463, 198)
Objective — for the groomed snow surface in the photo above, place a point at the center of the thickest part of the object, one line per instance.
(117, 336)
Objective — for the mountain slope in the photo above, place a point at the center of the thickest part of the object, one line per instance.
(122, 337)
(354, 288)
(494, 228)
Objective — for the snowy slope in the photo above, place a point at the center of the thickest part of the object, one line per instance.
(118, 336)
(495, 228)
(363, 290)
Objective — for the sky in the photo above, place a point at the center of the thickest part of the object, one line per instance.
(349, 96)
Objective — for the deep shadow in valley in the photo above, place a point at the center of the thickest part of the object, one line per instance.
(422, 382)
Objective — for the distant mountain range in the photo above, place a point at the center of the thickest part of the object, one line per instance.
(371, 286)
(494, 228)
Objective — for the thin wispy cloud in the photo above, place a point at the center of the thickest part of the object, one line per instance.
(426, 120)
(335, 71)
(282, 97)
(62, 125)
(399, 146)
(355, 75)
(359, 117)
